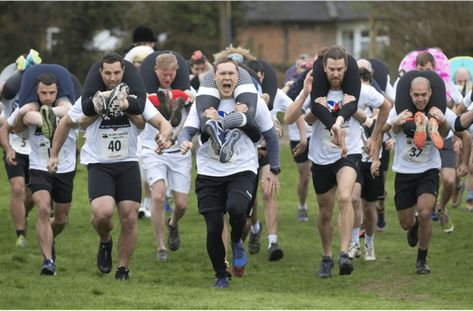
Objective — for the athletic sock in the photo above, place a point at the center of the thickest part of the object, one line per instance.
(20, 232)
(272, 239)
(255, 228)
(355, 235)
(369, 239)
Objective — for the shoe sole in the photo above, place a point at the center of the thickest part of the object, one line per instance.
(214, 139)
(226, 153)
(420, 134)
(46, 271)
(46, 128)
(346, 269)
(276, 255)
(435, 135)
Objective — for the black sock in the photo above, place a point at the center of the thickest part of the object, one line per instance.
(20, 232)
(422, 254)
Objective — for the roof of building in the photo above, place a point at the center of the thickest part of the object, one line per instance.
(305, 11)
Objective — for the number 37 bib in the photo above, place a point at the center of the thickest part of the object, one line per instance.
(114, 145)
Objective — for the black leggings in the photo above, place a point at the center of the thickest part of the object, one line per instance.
(65, 84)
(93, 83)
(215, 245)
(320, 86)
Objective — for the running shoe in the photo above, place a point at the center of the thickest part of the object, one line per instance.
(100, 103)
(380, 224)
(326, 266)
(354, 250)
(469, 206)
(49, 121)
(435, 136)
(420, 134)
(122, 274)
(369, 252)
(116, 99)
(162, 255)
(275, 253)
(422, 267)
(302, 214)
(21, 241)
(48, 268)
(239, 258)
(174, 241)
(104, 256)
(254, 243)
(345, 264)
(221, 282)
(226, 153)
(214, 129)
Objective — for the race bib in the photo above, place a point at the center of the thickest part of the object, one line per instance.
(44, 149)
(114, 145)
(414, 154)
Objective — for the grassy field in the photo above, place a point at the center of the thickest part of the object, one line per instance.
(183, 282)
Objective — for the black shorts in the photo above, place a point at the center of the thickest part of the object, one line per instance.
(385, 155)
(303, 157)
(372, 189)
(20, 169)
(59, 185)
(408, 187)
(324, 177)
(214, 193)
(121, 180)
(448, 155)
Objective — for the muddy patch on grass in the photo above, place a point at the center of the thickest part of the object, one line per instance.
(398, 287)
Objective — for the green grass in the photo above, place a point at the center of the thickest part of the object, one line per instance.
(183, 282)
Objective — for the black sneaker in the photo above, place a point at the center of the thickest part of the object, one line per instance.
(421, 267)
(122, 274)
(326, 266)
(413, 234)
(254, 243)
(221, 282)
(214, 129)
(104, 256)
(48, 268)
(226, 153)
(345, 264)
(49, 121)
(174, 241)
(275, 253)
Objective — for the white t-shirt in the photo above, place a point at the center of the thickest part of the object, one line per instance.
(110, 140)
(281, 103)
(321, 150)
(19, 142)
(40, 150)
(244, 157)
(408, 159)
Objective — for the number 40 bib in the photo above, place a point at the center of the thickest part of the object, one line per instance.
(114, 145)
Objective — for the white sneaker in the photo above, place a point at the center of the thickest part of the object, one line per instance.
(369, 252)
(144, 211)
(354, 250)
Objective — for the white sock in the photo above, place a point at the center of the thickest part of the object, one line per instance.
(355, 235)
(302, 206)
(369, 239)
(272, 239)
(255, 228)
